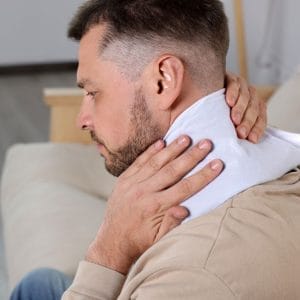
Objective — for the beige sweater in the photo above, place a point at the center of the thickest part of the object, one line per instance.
(249, 248)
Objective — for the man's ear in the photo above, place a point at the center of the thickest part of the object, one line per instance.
(168, 75)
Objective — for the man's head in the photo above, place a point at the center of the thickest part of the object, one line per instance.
(141, 63)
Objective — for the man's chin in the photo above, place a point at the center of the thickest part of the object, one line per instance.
(112, 164)
(114, 169)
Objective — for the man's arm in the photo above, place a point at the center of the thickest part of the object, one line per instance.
(143, 207)
(104, 284)
(103, 275)
(145, 203)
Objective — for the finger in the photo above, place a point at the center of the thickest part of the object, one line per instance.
(250, 116)
(178, 168)
(187, 187)
(239, 109)
(173, 217)
(158, 161)
(143, 158)
(259, 128)
(232, 89)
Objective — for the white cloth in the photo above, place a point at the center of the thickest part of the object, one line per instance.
(246, 164)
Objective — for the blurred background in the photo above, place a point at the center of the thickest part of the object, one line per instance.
(35, 54)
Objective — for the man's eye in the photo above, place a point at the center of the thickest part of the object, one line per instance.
(91, 94)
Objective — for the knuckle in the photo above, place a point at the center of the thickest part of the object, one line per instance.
(242, 79)
(250, 119)
(205, 176)
(231, 76)
(154, 164)
(252, 113)
(189, 156)
(192, 156)
(252, 89)
(242, 104)
(256, 106)
(139, 163)
(247, 93)
(246, 125)
(236, 110)
(186, 187)
(255, 131)
(171, 171)
(235, 80)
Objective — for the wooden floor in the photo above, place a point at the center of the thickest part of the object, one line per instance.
(24, 118)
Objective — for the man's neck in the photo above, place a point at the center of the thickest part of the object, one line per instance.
(190, 95)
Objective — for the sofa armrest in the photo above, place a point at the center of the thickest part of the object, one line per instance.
(53, 198)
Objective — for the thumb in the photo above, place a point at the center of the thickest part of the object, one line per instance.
(173, 217)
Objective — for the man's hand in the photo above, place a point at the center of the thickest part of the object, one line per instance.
(144, 205)
(248, 111)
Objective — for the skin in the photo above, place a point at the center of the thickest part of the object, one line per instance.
(150, 189)
(144, 205)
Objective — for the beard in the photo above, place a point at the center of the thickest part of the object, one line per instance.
(144, 132)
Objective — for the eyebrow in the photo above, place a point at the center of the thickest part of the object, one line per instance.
(81, 83)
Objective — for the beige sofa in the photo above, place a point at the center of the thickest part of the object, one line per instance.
(53, 199)
(53, 195)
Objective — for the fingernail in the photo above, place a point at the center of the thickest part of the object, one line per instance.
(216, 165)
(183, 140)
(181, 215)
(243, 132)
(159, 144)
(253, 137)
(204, 145)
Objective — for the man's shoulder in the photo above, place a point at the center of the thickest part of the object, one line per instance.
(258, 229)
(265, 207)
(280, 196)
(260, 235)
(176, 263)
(187, 246)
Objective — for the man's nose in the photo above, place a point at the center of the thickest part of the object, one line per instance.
(84, 120)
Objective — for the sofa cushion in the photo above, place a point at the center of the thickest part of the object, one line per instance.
(284, 106)
(53, 200)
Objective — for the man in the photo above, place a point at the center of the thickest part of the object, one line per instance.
(144, 66)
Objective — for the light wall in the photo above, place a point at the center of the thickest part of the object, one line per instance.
(272, 39)
(34, 31)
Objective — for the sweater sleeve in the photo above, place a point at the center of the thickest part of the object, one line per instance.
(181, 284)
(94, 282)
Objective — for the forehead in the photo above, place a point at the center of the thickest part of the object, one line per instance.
(91, 41)
(88, 55)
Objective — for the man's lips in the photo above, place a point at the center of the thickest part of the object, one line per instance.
(101, 148)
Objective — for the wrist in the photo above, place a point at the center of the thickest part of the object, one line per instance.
(109, 257)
